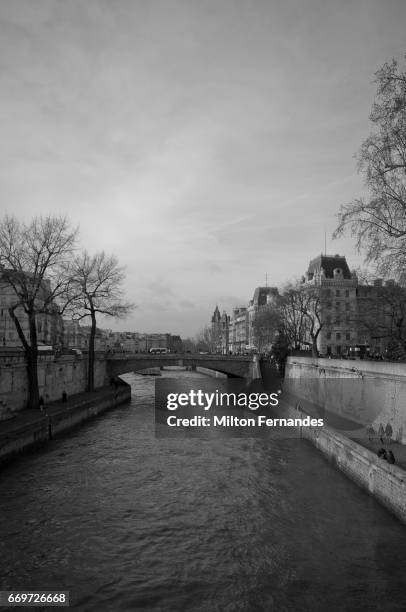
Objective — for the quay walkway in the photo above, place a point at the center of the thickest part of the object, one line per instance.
(356, 432)
(31, 427)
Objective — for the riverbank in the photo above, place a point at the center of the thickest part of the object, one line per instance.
(385, 482)
(31, 428)
(346, 443)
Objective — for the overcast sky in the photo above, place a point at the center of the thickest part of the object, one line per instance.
(205, 143)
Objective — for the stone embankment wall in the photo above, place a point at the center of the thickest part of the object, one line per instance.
(40, 430)
(387, 483)
(211, 373)
(371, 393)
(55, 375)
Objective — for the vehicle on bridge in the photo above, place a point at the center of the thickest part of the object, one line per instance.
(159, 351)
(359, 351)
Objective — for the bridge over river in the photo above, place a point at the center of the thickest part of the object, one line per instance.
(242, 366)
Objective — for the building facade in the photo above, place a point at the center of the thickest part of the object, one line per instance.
(357, 319)
(263, 298)
(49, 323)
(220, 332)
(382, 318)
(332, 277)
(239, 323)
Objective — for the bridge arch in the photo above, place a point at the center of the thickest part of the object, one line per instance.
(232, 365)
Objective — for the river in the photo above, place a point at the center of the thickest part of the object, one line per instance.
(125, 521)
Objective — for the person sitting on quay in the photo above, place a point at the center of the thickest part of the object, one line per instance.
(382, 454)
(390, 458)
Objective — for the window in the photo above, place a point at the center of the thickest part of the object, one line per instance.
(338, 305)
(338, 336)
(328, 305)
(338, 321)
(348, 336)
(347, 293)
(347, 305)
(328, 336)
(337, 293)
(328, 320)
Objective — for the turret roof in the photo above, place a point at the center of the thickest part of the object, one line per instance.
(329, 263)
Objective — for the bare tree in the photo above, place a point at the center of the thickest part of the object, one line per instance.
(34, 258)
(204, 340)
(301, 314)
(189, 345)
(292, 317)
(381, 316)
(266, 325)
(97, 285)
(378, 222)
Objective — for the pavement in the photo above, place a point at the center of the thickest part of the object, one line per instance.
(357, 432)
(374, 444)
(29, 416)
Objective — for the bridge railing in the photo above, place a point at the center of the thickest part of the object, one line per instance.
(172, 356)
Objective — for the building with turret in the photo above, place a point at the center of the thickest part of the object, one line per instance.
(48, 319)
(338, 303)
(263, 298)
(239, 330)
(220, 324)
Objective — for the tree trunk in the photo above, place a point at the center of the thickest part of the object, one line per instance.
(32, 364)
(32, 373)
(90, 370)
(31, 355)
(315, 350)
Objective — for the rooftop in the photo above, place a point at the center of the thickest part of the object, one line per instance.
(329, 263)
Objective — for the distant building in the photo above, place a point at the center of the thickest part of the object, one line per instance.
(239, 330)
(263, 298)
(128, 342)
(77, 336)
(171, 342)
(101, 340)
(74, 335)
(235, 333)
(382, 317)
(175, 343)
(356, 318)
(338, 294)
(220, 324)
(49, 323)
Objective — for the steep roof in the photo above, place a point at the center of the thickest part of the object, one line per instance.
(261, 293)
(216, 315)
(329, 263)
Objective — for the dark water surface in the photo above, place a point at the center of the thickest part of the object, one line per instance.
(128, 522)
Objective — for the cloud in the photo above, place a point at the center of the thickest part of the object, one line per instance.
(206, 144)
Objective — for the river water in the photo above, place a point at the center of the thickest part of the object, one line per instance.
(125, 521)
